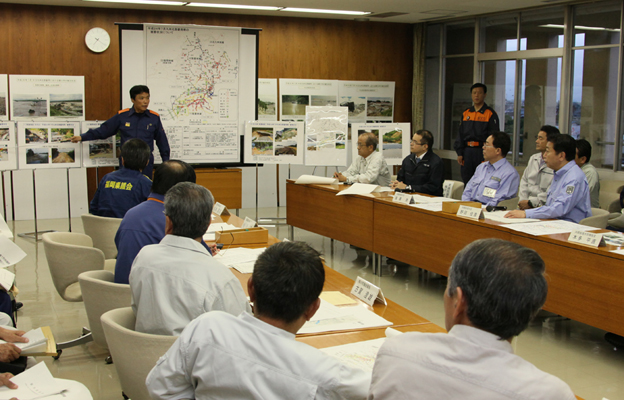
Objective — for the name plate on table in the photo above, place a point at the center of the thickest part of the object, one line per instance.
(402, 198)
(220, 209)
(367, 292)
(249, 223)
(587, 238)
(470, 212)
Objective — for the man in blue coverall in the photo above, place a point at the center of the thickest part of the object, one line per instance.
(568, 195)
(135, 122)
(123, 189)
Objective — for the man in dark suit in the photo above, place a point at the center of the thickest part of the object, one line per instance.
(422, 171)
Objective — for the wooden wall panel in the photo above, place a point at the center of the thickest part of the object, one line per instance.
(47, 40)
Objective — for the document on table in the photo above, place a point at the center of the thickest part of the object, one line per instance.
(425, 199)
(360, 354)
(337, 298)
(499, 216)
(358, 188)
(317, 180)
(549, 227)
(240, 258)
(10, 253)
(437, 207)
(38, 383)
(331, 318)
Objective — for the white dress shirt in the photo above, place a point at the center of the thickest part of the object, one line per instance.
(467, 363)
(535, 181)
(176, 281)
(593, 180)
(219, 356)
(372, 169)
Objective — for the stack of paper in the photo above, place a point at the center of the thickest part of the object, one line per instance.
(360, 354)
(313, 179)
(10, 253)
(549, 227)
(364, 188)
(331, 318)
(239, 258)
(37, 342)
(38, 383)
(499, 216)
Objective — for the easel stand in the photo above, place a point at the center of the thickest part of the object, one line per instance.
(35, 235)
(271, 221)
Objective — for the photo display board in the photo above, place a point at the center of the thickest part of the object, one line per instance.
(269, 142)
(44, 145)
(367, 101)
(47, 97)
(326, 136)
(267, 99)
(394, 140)
(4, 97)
(8, 154)
(100, 153)
(297, 94)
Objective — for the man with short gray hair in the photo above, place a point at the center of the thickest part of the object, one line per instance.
(177, 280)
(495, 288)
(369, 166)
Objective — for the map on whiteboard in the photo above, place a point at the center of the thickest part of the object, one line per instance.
(195, 72)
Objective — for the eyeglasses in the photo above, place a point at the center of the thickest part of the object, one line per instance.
(486, 144)
(416, 143)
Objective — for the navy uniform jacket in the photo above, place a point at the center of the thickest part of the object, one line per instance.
(476, 126)
(118, 192)
(425, 177)
(145, 126)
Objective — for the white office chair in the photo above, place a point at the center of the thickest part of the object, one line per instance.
(134, 353)
(453, 189)
(101, 294)
(609, 201)
(102, 231)
(599, 218)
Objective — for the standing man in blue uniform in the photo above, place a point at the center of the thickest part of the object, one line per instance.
(136, 122)
(478, 122)
(568, 196)
(123, 189)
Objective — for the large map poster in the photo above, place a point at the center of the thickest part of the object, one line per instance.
(193, 75)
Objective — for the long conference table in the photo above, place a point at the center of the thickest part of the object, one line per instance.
(402, 319)
(585, 284)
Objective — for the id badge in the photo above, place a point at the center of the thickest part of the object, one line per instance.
(489, 192)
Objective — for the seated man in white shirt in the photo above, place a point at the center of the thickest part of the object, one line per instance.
(177, 280)
(537, 176)
(257, 357)
(583, 155)
(369, 166)
(495, 288)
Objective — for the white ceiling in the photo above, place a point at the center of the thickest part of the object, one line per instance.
(415, 10)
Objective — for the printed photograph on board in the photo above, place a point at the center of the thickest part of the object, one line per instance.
(392, 144)
(294, 105)
(4, 154)
(66, 105)
(37, 156)
(61, 134)
(323, 100)
(285, 142)
(356, 105)
(36, 135)
(267, 106)
(5, 134)
(62, 155)
(379, 107)
(30, 105)
(3, 109)
(261, 141)
(100, 150)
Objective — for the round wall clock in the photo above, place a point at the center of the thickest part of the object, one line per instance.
(97, 40)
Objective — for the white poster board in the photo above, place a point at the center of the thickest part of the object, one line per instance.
(100, 153)
(269, 142)
(326, 136)
(193, 73)
(368, 100)
(8, 153)
(394, 140)
(297, 94)
(267, 99)
(47, 97)
(45, 145)
(4, 97)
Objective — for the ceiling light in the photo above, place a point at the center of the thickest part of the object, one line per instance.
(149, 2)
(314, 10)
(581, 28)
(236, 6)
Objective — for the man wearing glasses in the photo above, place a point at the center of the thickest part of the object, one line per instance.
(537, 176)
(422, 171)
(369, 166)
(496, 179)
